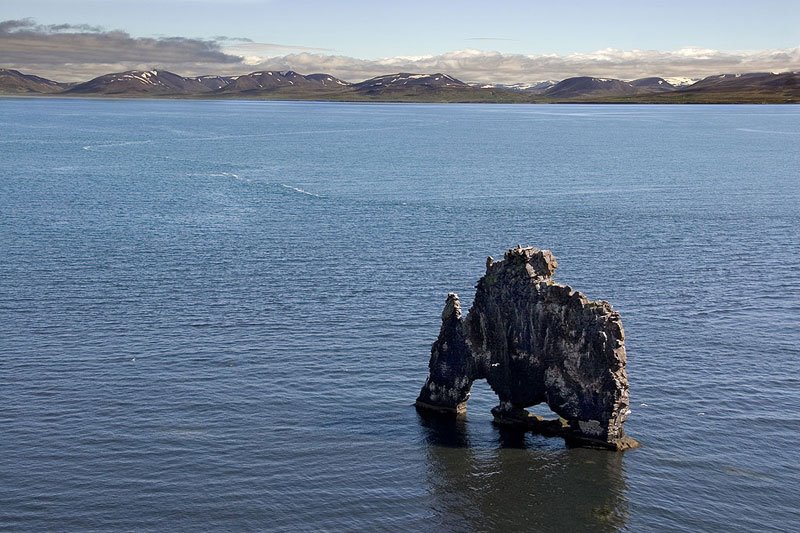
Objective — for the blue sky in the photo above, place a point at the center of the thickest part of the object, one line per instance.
(373, 30)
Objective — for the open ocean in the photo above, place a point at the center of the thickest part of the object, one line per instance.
(216, 315)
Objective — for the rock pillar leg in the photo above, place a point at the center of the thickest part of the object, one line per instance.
(451, 366)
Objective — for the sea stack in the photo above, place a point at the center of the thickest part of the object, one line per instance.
(535, 341)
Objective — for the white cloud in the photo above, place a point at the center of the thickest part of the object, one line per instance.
(482, 66)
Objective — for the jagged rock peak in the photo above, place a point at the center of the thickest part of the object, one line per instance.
(452, 307)
(538, 264)
(535, 341)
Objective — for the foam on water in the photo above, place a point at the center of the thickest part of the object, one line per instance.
(89, 147)
(301, 191)
(750, 130)
(229, 175)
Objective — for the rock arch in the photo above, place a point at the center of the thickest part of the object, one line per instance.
(535, 341)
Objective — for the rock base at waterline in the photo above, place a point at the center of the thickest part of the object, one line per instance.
(535, 341)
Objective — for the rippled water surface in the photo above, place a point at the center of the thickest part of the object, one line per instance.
(217, 315)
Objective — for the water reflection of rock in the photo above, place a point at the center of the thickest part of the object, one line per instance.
(516, 486)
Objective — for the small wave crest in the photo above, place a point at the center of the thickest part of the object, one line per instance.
(90, 147)
(229, 175)
(299, 190)
(771, 132)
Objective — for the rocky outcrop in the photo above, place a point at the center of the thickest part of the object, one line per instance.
(535, 341)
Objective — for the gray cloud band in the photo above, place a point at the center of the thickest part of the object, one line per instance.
(74, 52)
(67, 52)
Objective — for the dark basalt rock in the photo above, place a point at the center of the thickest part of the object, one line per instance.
(535, 341)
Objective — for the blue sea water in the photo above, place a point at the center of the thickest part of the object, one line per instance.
(217, 315)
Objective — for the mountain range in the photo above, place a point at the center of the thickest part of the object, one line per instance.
(405, 87)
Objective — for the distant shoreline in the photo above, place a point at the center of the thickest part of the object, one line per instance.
(261, 98)
(404, 87)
